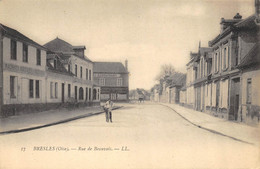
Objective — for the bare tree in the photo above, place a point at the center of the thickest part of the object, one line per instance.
(166, 70)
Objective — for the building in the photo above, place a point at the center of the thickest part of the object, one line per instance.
(70, 73)
(178, 80)
(34, 78)
(191, 67)
(202, 70)
(23, 65)
(113, 78)
(237, 38)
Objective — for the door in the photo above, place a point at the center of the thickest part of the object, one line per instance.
(62, 92)
(234, 99)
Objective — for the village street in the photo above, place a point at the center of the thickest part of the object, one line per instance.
(142, 135)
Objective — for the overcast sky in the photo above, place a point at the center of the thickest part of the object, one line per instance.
(146, 32)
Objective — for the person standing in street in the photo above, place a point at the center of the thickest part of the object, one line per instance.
(109, 106)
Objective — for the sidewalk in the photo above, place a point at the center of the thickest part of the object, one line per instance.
(31, 121)
(237, 131)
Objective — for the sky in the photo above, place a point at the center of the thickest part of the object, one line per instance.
(148, 33)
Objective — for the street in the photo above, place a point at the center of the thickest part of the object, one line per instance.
(142, 135)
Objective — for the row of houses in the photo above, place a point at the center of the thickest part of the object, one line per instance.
(223, 79)
(36, 77)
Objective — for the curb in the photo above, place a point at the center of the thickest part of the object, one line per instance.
(207, 129)
(54, 123)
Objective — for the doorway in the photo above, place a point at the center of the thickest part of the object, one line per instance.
(234, 99)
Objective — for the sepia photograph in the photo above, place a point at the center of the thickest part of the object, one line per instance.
(129, 84)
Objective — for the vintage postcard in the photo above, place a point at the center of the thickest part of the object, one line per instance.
(129, 84)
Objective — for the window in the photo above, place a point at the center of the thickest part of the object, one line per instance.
(12, 87)
(249, 91)
(89, 98)
(31, 88)
(80, 71)
(224, 58)
(25, 53)
(119, 82)
(102, 81)
(89, 74)
(98, 95)
(86, 74)
(76, 70)
(38, 57)
(13, 50)
(37, 88)
(86, 93)
(201, 68)
(56, 90)
(81, 92)
(216, 62)
(76, 92)
(69, 90)
(51, 89)
(227, 57)
(94, 94)
(55, 64)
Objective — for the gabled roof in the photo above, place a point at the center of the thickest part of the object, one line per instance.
(109, 67)
(60, 46)
(19, 36)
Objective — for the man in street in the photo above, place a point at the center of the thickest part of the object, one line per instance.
(109, 106)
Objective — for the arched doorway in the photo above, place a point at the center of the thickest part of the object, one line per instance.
(94, 94)
(81, 93)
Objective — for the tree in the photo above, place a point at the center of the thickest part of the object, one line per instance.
(166, 70)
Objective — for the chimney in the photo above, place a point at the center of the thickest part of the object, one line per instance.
(225, 23)
(237, 16)
(126, 65)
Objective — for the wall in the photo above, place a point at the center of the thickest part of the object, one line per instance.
(22, 72)
(250, 112)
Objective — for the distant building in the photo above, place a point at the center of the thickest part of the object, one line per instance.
(113, 78)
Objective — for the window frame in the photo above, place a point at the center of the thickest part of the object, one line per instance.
(13, 49)
(25, 53)
(38, 57)
(37, 89)
(31, 88)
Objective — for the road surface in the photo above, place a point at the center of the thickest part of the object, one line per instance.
(141, 136)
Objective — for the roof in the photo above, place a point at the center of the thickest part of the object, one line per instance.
(60, 67)
(60, 46)
(19, 36)
(109, 67)
(252, 57)
(247, 22)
